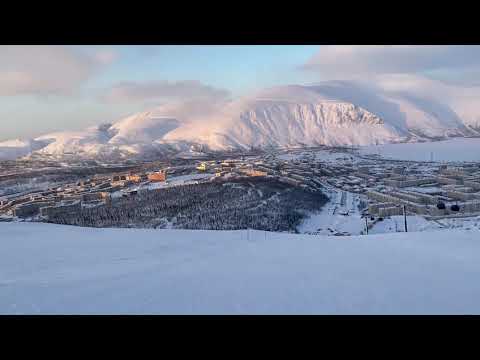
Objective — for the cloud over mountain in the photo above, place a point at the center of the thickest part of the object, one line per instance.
(130, 91)
(47, 70)
(329, 113)
(345, 62)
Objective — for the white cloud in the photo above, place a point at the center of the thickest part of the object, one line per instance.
(190, 110)
(188, 100)
(163, 90)
(106, 57)
(463, 100)
(45, 70)
(446, 74)
(345, 62)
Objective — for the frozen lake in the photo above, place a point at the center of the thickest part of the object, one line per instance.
(460, 149)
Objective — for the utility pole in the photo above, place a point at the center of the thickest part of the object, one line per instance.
(405, 217)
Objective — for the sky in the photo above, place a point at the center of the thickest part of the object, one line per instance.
(56, 88)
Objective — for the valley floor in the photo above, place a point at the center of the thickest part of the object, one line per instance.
(54, 269)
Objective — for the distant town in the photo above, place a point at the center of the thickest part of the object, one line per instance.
(382, 187)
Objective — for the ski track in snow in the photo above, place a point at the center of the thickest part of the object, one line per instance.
(330, 219)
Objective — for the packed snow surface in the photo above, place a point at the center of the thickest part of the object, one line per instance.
(53, 269)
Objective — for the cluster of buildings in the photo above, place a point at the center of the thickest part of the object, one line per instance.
(435, 192)
(430, 190)
(72, 197)
(427, 189)
(230, 168)
(298, 173)
(100, 189)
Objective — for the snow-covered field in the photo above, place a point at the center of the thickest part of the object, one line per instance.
(397, 224)
(459, 149)
(53, 269)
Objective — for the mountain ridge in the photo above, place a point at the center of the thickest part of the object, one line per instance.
(329, 113)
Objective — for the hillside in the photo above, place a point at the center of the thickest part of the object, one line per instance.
(52, 269)
(329, 113)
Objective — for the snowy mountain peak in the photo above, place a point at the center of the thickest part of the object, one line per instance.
(330, 113)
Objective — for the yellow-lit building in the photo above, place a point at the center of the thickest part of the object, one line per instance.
(134, 178)
(202, 167)
(252, 172)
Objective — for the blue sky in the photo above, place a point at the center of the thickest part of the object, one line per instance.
(56, 88)
(238, 69)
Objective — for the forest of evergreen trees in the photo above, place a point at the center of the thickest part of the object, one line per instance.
(255, 203)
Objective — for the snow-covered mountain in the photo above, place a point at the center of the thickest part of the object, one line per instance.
(134, 135)
(12, 149)
(408, 113)
(330, 113)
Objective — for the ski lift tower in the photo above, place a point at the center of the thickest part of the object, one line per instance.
(366, 215)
